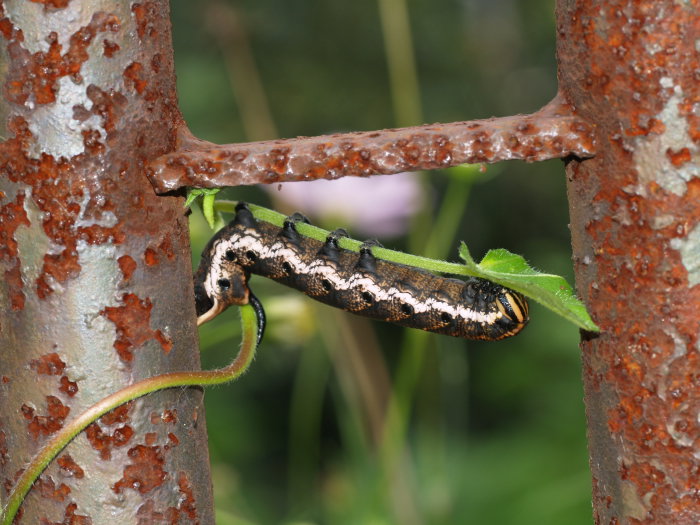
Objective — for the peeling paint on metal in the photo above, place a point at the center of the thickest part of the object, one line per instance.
(68, 387)
(132, 320)
(689, 249)
(111, 431)
(69, 468)
(52, 421)
(48, 364)
(50, 490)
(633, 503)
(127, 265)
(677, 165)
(12, 217)
(77, 131)
(167, 416)
(660, 222)
(187, 502)
(62, 62)
(70, 516)
(145, 472)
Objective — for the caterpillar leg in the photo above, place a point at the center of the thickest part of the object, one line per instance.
(289, 228)
(367, 261)
(330, 248)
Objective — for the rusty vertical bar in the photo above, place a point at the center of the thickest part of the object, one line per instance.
(96, 289)
(632, 68)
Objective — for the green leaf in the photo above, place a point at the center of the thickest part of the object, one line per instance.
(551, 291)
(191, 197)
(208, 195)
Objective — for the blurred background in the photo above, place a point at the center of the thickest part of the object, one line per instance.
(346, 421)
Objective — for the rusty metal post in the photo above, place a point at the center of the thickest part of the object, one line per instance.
(632, 69)
(96, 290)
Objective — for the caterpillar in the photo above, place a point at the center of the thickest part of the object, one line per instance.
(360, 283)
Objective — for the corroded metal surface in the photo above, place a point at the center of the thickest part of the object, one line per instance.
(88, 96)
(632, 68)
(552, 132)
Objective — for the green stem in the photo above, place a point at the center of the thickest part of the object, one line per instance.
(314, 232)
(64, 436)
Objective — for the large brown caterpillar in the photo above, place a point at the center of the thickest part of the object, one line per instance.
(360, 283)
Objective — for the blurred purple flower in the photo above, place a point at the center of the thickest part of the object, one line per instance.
(378, 206)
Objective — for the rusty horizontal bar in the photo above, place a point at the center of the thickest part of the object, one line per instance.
(552, 132)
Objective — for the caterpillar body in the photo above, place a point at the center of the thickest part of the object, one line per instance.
(357, 282)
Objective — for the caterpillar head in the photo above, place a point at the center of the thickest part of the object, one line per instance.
(218, 284)
(514, 308)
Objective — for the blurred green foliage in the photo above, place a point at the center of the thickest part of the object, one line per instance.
(483, 433)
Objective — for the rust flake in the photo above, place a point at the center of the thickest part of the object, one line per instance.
(12, 216)
(108, 105)
(48, 364)
(166, 248)
(56, 4)
(127, 265)
(150, 257)
(118, 415)
(70, 517)
(105, 440)
(48, 424)
(279, 158)
(167, 416)
(8, 484)
(3, 448)
(109, 48)
(132, 321)
(145, 14)
(148, 514)
(186, 507)
(52, 365)
(187, 504)
(105, 443)
(649, 481)
(156, 63)
(9, 31)
(678, 158)
(49, 490)
(37, 78)
(59, 194)
(173, 440)
(144, 473)
(134, 76)
(92, 142)
(68, 387)
(69, 468)
(152, 254)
